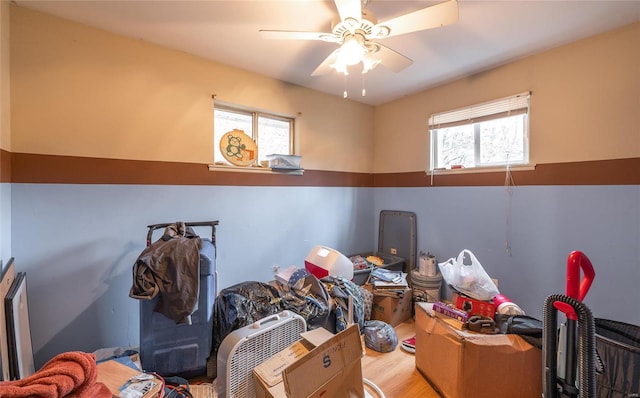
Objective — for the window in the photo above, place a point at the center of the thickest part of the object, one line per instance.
(494, 133)
(271, 133)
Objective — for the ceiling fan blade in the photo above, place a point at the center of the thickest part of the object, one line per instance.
(349, 9)
(292, 35)
(391, 59)
(325, 66)
(431, 17)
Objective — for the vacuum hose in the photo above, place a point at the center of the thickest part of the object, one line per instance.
(586, 347)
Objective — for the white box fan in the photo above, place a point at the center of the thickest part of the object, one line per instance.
(247, 347)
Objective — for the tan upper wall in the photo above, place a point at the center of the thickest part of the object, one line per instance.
(81, 91)
(5, 109)
(585, 104)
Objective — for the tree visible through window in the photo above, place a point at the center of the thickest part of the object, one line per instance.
(489, 134)
(272, 134)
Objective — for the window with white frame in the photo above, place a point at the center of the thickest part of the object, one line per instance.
(494, 133)
(272, 134)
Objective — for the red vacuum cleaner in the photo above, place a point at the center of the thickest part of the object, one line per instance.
(569, 355)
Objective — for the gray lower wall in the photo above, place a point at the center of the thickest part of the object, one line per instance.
(78, 243)
(546, 224)
(5, 221)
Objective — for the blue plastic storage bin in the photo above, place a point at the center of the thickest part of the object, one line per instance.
(171, 349)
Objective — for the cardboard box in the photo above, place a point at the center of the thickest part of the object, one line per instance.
(392, 310)
(117, 376)
(461, 363)
(473, 306)
(320, 365)
(453, 322)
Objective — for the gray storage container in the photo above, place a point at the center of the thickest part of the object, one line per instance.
(396, 244)
(393, 263)
(171, 349)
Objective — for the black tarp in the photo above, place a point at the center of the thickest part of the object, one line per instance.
(322, 303)
(618, 348)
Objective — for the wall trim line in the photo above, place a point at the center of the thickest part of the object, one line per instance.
(55, 169)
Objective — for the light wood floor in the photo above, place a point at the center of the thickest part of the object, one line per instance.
(395, 372)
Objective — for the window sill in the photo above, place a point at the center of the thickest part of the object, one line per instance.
(250, 169)
(492, 169)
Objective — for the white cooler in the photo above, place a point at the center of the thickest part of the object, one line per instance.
(323, 261)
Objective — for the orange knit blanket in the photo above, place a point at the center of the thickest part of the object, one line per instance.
(70, 374)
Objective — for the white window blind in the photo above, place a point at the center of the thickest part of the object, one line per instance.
(504, 107)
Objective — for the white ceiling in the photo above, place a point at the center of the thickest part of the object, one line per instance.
(488, 34)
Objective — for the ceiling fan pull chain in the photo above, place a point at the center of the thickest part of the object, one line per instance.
(364, 90)
(345, 87)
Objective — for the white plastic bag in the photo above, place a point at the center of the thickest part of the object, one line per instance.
(470, 279)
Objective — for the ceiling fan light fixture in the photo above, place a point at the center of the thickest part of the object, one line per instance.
(352, 50)
(368, 63)
(340, 68)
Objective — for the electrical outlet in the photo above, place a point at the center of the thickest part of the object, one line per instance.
(393, 251)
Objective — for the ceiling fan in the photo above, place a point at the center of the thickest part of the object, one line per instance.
(357, 30)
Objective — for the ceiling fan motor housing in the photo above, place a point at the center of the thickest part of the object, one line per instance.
(366, 26)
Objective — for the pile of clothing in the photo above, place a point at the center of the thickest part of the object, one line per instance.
(70, 374)
(170, 268)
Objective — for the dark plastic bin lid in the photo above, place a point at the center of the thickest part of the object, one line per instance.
(397, 231)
